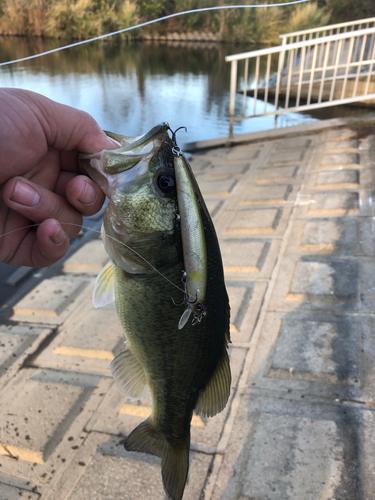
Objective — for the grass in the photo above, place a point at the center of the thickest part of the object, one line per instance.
(82, 19)
(78, 19)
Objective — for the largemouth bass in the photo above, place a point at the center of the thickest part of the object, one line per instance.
(166, 276)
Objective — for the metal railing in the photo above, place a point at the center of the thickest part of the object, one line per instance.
(332, 29)
(310, 74)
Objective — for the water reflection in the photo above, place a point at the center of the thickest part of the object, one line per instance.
(128, 87)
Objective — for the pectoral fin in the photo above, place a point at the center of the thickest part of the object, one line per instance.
(104, 291)
(129, 376)
(214, 397)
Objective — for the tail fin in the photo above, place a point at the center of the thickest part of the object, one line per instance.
(174, 459)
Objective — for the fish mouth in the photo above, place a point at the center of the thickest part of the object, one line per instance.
(113, 169)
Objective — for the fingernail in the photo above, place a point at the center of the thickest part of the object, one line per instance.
(116, 143)
(24, 194)
(59, 236)
(88, 196)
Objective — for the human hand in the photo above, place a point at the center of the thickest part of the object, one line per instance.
(40, 181)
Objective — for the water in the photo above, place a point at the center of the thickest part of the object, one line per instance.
(130, 87)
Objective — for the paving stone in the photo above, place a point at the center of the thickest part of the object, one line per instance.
(297, 435)
(343, 160)
(324, 234)
(50, 302)
(199, 163)
(118, 416)
(311, 282)
(338, 179)
(289, 450)
(87, 342)
(13, 488)
(324, 351)
(293, 143)
(214, 206)
(342, 134)
(329, 281)
(16, 342)
(329, 356)
(245, 300)
(136, 475)
(42, 414)
(227, 170)
(246, 259)
(277, 194)
(242, 153)
(241, 256)
(334, 236)
(254, 221)
(217, 187)
(292, 156)
(27, 435)
(334, 146)
(332, 204)
(89, 259)
(247, 147)
(36, 412)
(14, 493)
(11, 344)
(277, 175)
(20, 274)
(215, 153)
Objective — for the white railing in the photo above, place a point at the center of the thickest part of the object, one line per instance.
(332, 29)
(310, 74)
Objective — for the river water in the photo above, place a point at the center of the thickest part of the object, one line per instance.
(130, 87)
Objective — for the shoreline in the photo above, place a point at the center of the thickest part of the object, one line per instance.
(205, 37)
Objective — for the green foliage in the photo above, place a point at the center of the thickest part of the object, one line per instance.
(2, 4)
(151, 9)
(78, 19)
(25, 17)
(255, 26)
(307, 16)
(349, 10)
(81, 19)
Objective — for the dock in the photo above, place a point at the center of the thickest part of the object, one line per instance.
(294, 214)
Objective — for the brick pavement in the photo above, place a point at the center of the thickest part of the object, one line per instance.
(295, 220)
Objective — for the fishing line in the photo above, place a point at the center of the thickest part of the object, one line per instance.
(147, 23)
(107, 236)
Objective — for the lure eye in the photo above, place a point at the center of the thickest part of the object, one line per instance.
(166, 183)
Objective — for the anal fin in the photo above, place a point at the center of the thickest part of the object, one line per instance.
(214, 397)
(129, 376)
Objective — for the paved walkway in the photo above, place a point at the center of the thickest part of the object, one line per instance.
(295, 220)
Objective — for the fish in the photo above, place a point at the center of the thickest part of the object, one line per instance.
(166, 276)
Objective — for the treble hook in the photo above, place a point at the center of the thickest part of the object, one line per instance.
(176, 150)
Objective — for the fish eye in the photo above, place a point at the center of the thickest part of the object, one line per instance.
(166, 183)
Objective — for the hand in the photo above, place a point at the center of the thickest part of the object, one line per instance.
(40, 181)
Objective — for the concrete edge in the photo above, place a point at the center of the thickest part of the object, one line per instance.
(272, 134)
